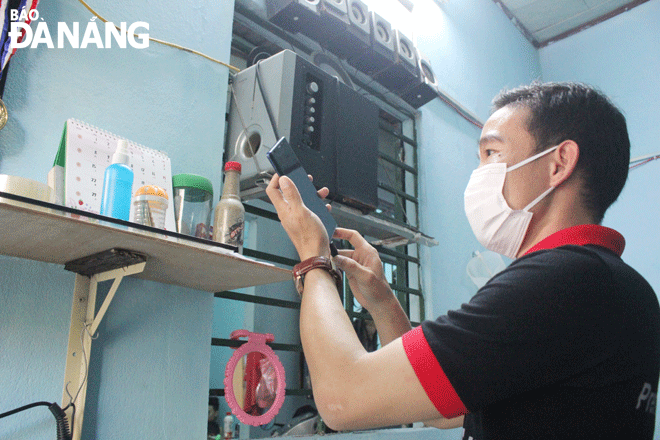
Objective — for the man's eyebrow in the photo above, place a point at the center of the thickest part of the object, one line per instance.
(490, 137)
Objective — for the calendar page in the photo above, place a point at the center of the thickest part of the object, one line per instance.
(89, 151)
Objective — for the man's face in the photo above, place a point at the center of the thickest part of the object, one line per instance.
(505, 138)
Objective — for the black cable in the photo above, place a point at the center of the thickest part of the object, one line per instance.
(63, 432)
(23, 408)
(62, 424)
(73, 414)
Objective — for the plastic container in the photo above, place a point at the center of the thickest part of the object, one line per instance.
(118, 185)
(483, 266)
(228, 432)
(26, 188)
(150, 205)
(193, 204)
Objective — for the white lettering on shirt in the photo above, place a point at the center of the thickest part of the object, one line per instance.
(647, 395)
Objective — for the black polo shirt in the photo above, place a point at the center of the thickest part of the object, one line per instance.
(564, 343)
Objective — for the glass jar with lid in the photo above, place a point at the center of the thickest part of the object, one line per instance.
(193, 199)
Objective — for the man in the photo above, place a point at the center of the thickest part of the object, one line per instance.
(213, 429)
(564, 343)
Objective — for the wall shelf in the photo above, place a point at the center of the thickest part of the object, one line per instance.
(38, 233)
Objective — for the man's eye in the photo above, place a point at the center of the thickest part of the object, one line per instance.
(489, 152)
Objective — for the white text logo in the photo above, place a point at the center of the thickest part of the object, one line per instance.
(94, 35)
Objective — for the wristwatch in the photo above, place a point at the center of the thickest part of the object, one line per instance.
(300, 269)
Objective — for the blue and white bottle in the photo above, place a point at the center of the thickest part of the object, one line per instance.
(118, 185)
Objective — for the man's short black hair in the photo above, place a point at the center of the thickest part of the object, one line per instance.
(579, 112)
(214, 402)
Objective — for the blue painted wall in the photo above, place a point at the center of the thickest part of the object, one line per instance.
(621, 56)
(149, 375)
(475, 51)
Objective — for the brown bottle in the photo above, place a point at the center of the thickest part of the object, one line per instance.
(229, 218)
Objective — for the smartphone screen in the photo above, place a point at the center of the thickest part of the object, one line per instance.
(286, 163)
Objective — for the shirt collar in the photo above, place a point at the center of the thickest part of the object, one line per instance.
(582, 235)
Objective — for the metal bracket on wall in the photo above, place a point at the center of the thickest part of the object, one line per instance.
(113, 264)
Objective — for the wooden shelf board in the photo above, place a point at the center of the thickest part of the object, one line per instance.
(40, 234)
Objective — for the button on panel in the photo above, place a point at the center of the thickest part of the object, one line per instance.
(313, 102)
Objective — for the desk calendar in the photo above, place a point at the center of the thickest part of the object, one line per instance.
(88, 152)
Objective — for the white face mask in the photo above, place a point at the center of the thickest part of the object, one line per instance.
(498, 227)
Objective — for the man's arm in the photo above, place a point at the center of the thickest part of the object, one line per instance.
(353, 389)
(364, 270)
(456, 422)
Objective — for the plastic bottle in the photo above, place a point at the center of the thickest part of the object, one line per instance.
(150, 206)
(229, 218)
(118, 185)
(228, 425)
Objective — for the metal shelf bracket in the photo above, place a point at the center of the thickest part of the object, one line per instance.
(84, 323)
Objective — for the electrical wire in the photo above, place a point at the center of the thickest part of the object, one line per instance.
(462, 113)
(62, 424)
(82, 383)
(166, 43)
(23, 408)
(60, 418)
(73, 399)
(63, 432)
(269, 111)
(638, 162)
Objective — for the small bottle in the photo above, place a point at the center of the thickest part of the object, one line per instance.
(118, 185)
(229, 218)
(150, 206)
(228, 425)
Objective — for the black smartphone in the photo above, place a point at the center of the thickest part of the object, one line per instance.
(286, 163)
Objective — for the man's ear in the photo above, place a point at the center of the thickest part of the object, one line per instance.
(564, 161)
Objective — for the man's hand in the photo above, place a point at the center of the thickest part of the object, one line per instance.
(303, 226)
(364, 271)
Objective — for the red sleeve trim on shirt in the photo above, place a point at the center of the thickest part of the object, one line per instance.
(431, 376)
